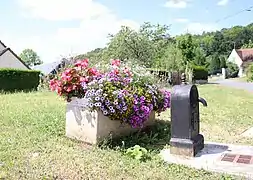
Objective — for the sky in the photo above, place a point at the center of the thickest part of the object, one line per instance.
(63, 28)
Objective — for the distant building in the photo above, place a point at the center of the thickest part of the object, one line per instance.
(241, 57)
(54, 67)
(8, 59)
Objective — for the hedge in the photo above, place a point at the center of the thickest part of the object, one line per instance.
(199, 73)
(250, 73)
(18, 80)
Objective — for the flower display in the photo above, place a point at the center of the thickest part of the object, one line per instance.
(118, 93)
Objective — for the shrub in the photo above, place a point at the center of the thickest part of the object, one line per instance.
(119, 93)
(250, 73)
(232, 70)
(18, 80)
(199, 73)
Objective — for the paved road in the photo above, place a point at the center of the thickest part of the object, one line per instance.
(236, 84)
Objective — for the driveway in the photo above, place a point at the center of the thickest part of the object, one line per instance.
(236, 84)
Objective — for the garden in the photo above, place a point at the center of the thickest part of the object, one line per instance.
(34, 146)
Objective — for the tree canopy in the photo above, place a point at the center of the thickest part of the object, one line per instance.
(30, 57)
(153, 46)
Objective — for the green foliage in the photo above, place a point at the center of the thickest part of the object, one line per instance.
(18, 80)
(172, 59)
(186, 45)
(223, 62)
(214, 65)
(232, 70)
(250, 73)
(199, 58)
(153, 47)
(137, 152)
(199, 73)
(248, 45)
(30, 57)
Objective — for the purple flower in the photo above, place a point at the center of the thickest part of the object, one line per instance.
(97, 98)
(135, 102)
(105, 112)
(142, 98)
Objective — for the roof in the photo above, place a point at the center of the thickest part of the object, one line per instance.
(245, 53)
(14, 54)
(47, 68)
(2, 44)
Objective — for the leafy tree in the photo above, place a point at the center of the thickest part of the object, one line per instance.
(30, 57)
(249, 45)
(199, 58)
(214, 66)
(128, 44)
(222, 62)
(145, 46)
(186, 45)
(172, 59)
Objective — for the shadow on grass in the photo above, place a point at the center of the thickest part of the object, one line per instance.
(152, 138)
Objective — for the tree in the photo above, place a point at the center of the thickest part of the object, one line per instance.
(222, 62)
(249, 45)
(172, 59)
(199, 58)
(214, 66)
(145, 46)
(187, 46)
(30, 57)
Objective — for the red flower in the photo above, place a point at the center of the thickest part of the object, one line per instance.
(115, 71)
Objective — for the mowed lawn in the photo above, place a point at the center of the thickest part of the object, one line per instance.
(33, 143)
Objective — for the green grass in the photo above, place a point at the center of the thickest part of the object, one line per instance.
(33, 143)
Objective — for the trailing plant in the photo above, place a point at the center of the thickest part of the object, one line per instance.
(119, 93)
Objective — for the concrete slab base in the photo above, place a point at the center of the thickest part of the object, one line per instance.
(210, 159)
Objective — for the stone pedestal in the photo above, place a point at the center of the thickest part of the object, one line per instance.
(91, 127)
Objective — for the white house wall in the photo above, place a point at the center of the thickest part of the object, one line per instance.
(8, 60)
(235, 58)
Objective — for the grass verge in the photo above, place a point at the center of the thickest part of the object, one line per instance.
(33, 145)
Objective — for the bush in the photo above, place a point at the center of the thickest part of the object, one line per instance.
(18, 80)
(199, 73)
(250, 73)
(232, 70)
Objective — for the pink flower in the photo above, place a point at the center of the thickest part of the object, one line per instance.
(93, 71)
(127, 71)
(82, 63)
(116, 62)
(83, 79)
(115, 71)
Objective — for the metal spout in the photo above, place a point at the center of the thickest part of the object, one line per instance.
(203, 101)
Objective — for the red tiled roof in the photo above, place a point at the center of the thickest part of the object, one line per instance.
(244, 53)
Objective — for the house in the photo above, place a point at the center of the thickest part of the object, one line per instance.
(241, 57)
(54, 67)
(8, 59)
